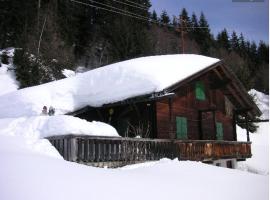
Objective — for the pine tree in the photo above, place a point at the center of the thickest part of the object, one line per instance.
(185, 18)
(234, 42)
(164, 17)
(204, 36)
(223, 40)
(154, 16)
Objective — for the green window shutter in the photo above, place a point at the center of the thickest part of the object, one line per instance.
(200, 91)
(219, 131)
(181, 127)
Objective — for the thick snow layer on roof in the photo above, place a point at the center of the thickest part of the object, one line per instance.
(104, 85)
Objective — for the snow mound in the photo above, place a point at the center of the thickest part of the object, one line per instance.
(104, 85)
(45, 126)
(262, 101)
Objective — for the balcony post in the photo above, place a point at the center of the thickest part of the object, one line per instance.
(170, 119)
(234, 126)
(200, 125)
(246, 123)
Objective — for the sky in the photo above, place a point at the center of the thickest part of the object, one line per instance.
(242, 16)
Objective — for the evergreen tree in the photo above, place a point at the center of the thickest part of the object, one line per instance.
(164, 17)
(185, 20)
(204, 36)
(263, 52)
(234, 42)
(154, 16)
(223, 40)
(194, 21)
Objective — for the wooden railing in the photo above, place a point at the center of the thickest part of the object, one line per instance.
(92, 149)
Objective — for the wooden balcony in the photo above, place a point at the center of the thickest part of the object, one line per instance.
(116, 151)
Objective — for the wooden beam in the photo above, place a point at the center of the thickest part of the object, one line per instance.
(242, 90)
(254, 120)
(229, 87)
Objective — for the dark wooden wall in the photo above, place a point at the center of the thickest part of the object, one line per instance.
(185, 104)
(122, 116)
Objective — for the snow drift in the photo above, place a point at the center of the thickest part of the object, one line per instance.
(45, 126)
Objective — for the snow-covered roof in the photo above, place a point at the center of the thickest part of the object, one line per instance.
(108, 84)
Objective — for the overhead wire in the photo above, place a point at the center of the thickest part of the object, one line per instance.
(143, 6)
(117, 9)
(113, 11)
(121, 11)
(131, 14)
(134, 6)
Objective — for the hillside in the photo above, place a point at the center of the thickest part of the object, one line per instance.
(32, 169)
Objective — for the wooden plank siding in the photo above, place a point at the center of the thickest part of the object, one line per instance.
(185, 104)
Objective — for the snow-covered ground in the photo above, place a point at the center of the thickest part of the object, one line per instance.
(32, 169)
(30, 176)
(259, 162)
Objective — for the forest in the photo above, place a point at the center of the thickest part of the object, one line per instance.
(52, 35)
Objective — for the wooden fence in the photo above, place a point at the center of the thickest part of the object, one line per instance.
(93, 150)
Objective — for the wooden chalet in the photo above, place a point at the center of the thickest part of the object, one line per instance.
(193, 119)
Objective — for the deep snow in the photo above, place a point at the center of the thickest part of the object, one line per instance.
(30, 176)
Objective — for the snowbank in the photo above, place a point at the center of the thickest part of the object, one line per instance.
(45, 126)
(28, 133)
(104, 85)
(29, 176)
(262, 101)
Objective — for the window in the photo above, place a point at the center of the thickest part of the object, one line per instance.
(200, 90)
(219, 127)
(181, 128)
(228, 107)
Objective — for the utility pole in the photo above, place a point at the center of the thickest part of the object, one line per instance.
(182, 33)
(181, 30)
